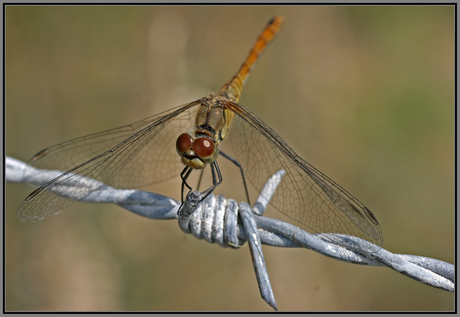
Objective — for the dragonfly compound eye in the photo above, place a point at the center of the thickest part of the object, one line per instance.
(205, 149)
(183, 143)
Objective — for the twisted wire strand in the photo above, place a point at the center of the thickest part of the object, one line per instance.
(216, 221)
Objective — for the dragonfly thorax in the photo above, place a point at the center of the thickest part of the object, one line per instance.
(213, 118)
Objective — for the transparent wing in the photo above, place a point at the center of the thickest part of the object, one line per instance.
(131, 156)
(304, 194)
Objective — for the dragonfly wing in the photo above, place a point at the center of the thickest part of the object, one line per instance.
(304, 194)
(69, 154)
(144, 153)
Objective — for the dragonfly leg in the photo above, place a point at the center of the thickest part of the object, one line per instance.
(234, 161)
(184, 175)
(216, 180)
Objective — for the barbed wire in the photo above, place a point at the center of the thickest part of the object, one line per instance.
(215, 220)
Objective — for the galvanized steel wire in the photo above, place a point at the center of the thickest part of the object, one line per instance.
(216, 221)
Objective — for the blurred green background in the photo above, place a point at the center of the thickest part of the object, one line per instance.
(365, 94)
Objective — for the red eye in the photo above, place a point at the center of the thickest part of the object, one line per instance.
(204, 148)
(183, 143)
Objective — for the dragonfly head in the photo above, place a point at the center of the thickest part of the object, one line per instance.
(197, 152)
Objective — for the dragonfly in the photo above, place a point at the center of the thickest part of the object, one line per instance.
(187, 139)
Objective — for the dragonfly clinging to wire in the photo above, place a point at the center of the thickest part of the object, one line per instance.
(146, 152)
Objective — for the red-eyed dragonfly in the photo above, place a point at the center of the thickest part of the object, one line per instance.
(146, 152)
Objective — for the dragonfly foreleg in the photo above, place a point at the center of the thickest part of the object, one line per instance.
(216, 180)
(184, 175)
